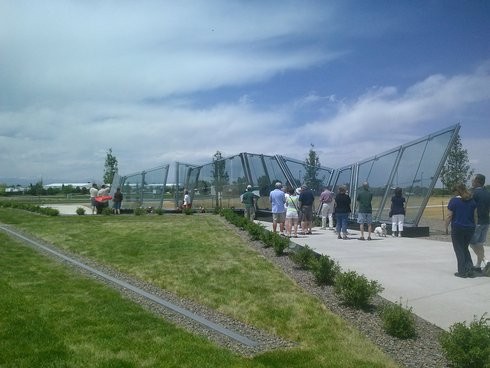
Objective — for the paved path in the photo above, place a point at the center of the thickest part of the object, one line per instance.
(419, 271)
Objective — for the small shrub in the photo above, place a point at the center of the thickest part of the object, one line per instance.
(266, 238)
(80, 211)
(398, 321)
(468, 346)
(159, 211)
(279, 243)
(256, 231)
(139, 211)
(45, 210)
(106, 211)
(304, 257)
(325, 270)
(187, 211)
(355, 290)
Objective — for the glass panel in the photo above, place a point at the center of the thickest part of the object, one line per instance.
(416, 173)
(298, 170)
(343, 178)
(154, 187)
(236, 182)
(204, 190)
(377, 173)
(131, 189)
(274, 170)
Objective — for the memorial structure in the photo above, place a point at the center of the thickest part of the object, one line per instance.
(414, 167)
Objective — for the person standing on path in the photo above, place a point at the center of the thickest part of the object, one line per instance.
(397, 212)
(326, 201)
(461, 216)
(306, 199)
(365, 214)
(482, 199)
(187, 200)
(116, 201)
(342, 210)
(277, 200)
(248, 199)
(292, 208)
(93, 193)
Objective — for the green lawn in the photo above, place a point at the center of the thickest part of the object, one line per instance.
(53, 317)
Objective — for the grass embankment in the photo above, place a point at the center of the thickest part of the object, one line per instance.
(53, 317)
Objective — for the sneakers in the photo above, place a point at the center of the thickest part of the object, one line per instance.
(469, 274)
(486, 270)
(361, 238)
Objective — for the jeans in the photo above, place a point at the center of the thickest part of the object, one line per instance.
(342, 222)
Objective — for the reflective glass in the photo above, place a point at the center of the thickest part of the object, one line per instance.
(414, 167)
(377, 173)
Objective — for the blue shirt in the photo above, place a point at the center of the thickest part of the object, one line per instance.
(277, 199)
(463, 212)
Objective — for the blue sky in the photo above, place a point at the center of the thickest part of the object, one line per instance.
(166, 81)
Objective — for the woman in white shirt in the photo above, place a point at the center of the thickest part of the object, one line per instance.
(292, 213)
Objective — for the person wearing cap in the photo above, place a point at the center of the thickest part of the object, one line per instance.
(249, 199)
(306, 199)
(277, 199)
(365, 215)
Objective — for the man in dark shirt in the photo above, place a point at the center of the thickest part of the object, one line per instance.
(482, 199)
(306, 199)
(365, 214)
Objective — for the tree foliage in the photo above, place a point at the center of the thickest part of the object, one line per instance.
(457, 168)
(312, 167)
(110, 167)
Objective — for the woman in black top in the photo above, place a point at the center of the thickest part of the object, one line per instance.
(397, 212)
(342, 210)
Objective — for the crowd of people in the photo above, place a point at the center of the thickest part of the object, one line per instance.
(99, 199)
(468, 215)
(293, 208)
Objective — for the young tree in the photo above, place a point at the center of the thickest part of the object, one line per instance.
(457, 168)
(110, 167)
(220, 176)
(312, 167)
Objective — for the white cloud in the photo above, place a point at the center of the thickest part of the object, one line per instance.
(73, 139)
(126, 50)
(78, 77)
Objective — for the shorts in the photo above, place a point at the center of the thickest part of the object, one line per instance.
(307, 213)
(116, 205)
(93, 202)
(279, 217)
(364, 218)
(480, 235)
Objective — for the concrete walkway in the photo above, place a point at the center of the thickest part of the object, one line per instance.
(420, 272)
(70, 209)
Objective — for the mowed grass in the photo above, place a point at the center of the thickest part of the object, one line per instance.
(436, 208)
(75, 321)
